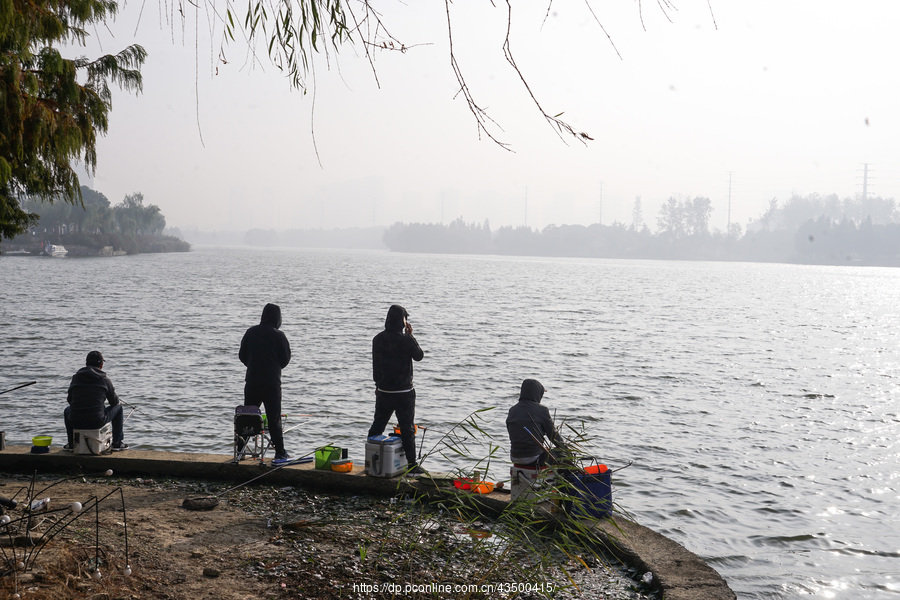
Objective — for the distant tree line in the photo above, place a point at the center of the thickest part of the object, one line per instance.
(806, 229)
(130, 225)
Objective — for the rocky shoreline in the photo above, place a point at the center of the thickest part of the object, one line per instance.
(666, 567)
(266, 541)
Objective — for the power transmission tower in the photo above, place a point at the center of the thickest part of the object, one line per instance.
(526, 207)
(601, 204)
(865, 190)
(729, 201)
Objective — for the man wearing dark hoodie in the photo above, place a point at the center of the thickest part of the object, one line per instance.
(393, 351)
(265, 351)
(528, 423)
(88, 393)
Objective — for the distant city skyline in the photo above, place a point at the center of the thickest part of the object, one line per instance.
(779, 99)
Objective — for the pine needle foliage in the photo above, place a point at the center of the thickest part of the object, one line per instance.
(52, 108)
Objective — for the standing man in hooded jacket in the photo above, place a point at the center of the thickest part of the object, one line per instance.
(265, 351)
(393, 352)
(528, 423)
(88, 393)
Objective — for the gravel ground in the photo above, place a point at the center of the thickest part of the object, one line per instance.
(286, 542)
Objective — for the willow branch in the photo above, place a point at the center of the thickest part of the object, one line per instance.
(559, 125)
(481, 116)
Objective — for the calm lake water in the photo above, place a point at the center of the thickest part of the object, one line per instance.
(759, 403)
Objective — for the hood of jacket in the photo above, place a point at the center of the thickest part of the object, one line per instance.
(271, 315)
(532, 391)
(89, 374)
(395, 316)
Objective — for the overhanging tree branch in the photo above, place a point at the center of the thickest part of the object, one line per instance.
(560, 126)
(294, 31)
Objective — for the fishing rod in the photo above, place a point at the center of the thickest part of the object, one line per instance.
(421, 442)
(303, 459)
(630, 462)
(540, 441)
(19, 387)
(283, 431)
(133, 408)
(211, 501)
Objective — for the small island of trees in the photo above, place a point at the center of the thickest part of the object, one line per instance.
(97, 228)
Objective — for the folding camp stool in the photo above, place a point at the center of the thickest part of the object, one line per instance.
(251, 433)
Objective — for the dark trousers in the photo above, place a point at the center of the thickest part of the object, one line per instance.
(270, 397)
(404, 404)
(113, 415)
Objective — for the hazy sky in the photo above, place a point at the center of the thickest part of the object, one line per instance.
(766, 98)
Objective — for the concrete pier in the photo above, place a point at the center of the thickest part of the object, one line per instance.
(677, 572)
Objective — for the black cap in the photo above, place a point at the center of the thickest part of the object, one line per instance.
(94, 359)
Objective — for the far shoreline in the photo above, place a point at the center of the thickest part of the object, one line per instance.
(93, 245)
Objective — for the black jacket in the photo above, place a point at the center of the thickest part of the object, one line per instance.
(89, 390)
(393, 352)
(265, 349)
(529, 413)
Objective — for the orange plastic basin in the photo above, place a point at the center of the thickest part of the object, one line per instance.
(596, 469)
(343, 466)
(484, 487)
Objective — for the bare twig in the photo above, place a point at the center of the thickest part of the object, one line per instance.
(560, 126)
(602, 28)
(481, 117)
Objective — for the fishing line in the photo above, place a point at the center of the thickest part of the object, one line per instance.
(135, 408)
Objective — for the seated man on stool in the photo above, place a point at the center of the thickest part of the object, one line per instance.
(528, 423)
(89, 390)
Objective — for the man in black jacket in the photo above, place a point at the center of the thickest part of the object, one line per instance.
(393, 351)
(265, 351)
(88, 393)
(528, 423)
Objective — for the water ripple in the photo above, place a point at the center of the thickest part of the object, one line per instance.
(757, 402)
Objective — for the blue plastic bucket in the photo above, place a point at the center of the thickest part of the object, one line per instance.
(591, 495)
